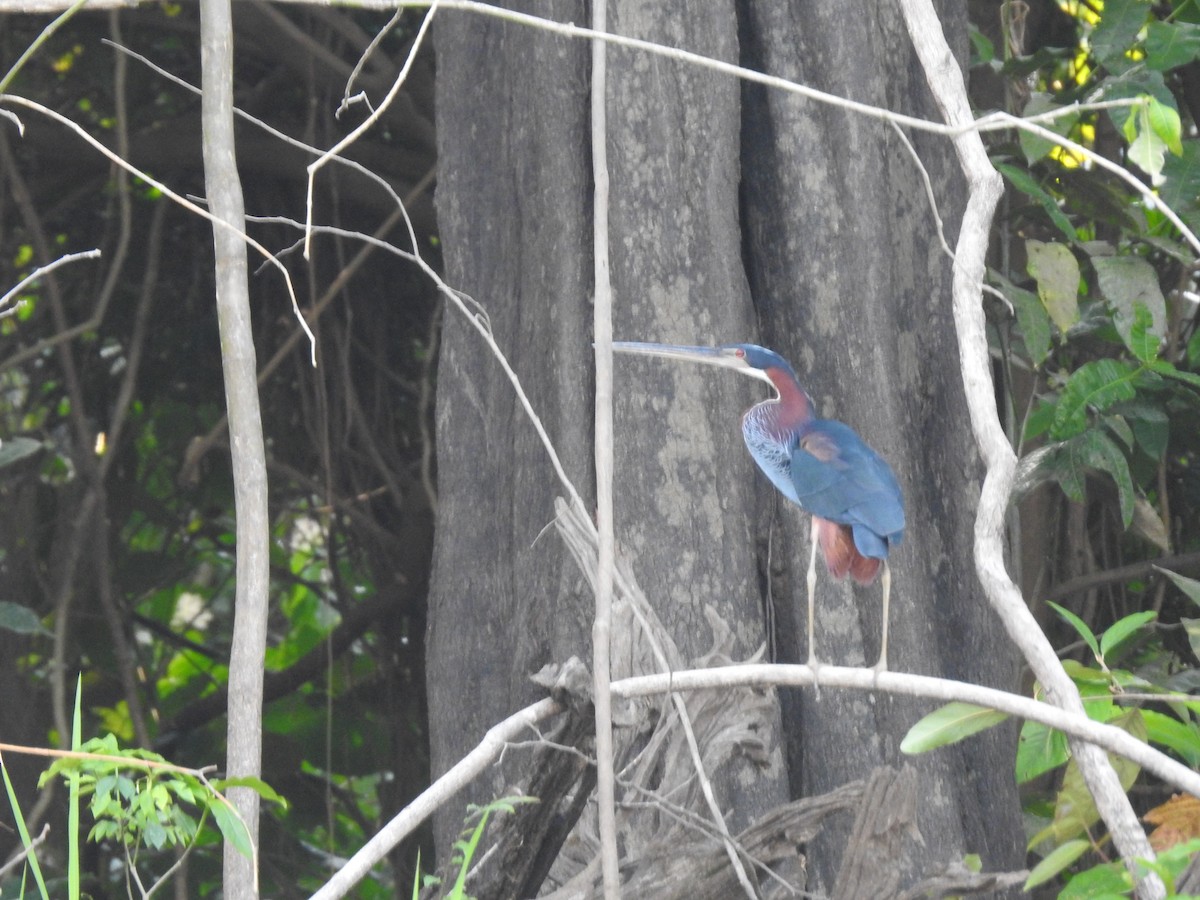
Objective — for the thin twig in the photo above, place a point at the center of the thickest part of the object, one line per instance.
(362, 128)
(178, 198)
(45, 270)
(25, 852)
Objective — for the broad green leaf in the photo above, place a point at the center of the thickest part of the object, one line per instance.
(1039, 750)
(1032, 321)
(20, 619)
(1171, 44)
(948, 725)
(1118, 426)
(1168, 731)
(1166, 125)
(981, 44)
(1094, 449)
(233, 829)
(1150, 425)
(1144, 340)
(1060, 859)
(1115, 34)
(1027, 185)
(1147, 150)
(1123, 628)
(1057, 273)
(1094, 385)
(1106, 881)
(1162, 367)
(1079, 625)
(1189, 586)
(1181, 186)
(1129, 283)
(257, 785)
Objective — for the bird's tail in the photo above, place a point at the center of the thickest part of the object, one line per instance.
(842, 558)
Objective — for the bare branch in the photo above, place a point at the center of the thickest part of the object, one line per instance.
(45, 270)
(949, 90)
(253, 521)
(602, 331)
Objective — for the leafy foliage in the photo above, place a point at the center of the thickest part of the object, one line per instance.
(1101, 348)
(118, 515)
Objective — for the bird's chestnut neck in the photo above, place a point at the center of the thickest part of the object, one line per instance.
(795, 405)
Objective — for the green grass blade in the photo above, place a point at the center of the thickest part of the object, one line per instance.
(23, 831)
(73, 798)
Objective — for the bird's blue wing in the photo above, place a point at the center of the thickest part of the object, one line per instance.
(839, 478)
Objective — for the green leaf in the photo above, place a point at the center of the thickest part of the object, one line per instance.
(1057, 273)
(1166, 125)
(1040, 749)
(1124, 628)
(1118, 426)
(17, 448)
(1171, 44)
(1162, 367)
(982, 46)
(1057, 862)
(20, 619)
(257, 785)
(1151, 427)
(1095, 450)
(233, 829)
(1106, 881)
(1135, 84)
(1169, 732)
(1027, 185)
(1181, 186)
(1189, 586)
(1079, 625)
(1129, 283)
(1094, 385)
(1032, 320)
(1152, 130)
(948, 725)
(1146, 149)
(1117, 32)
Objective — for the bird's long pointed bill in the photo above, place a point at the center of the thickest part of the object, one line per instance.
(713, 356)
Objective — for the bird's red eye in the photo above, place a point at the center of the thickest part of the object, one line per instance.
(740, 353)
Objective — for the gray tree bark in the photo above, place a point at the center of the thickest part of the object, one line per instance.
(826, 253)
(852, 285)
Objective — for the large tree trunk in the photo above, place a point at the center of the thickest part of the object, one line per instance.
(836, 242)
(852, 285)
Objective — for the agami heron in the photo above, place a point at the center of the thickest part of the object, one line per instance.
(821, 465)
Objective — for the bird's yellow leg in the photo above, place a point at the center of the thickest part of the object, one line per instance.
(812, 590)
(885, 582)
